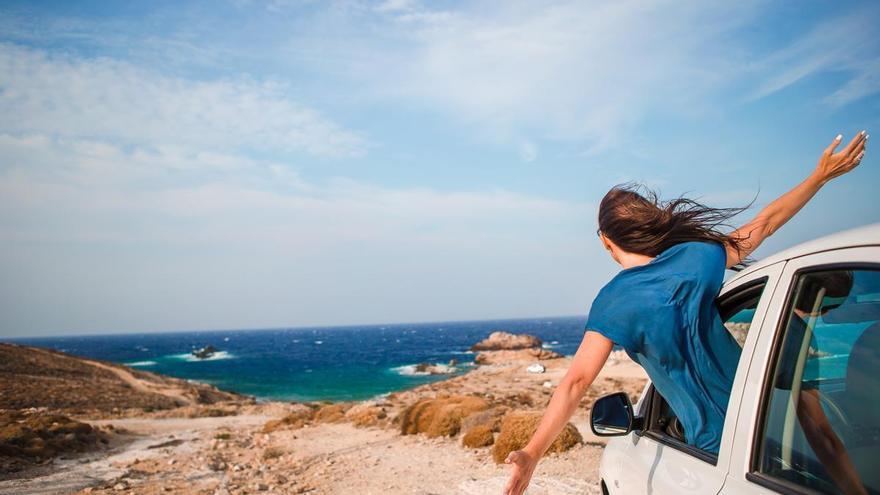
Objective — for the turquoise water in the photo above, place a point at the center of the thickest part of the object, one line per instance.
(330, 363)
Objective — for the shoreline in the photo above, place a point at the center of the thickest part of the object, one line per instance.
(347, 446)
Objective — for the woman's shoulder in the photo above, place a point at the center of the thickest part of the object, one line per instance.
(699, 254)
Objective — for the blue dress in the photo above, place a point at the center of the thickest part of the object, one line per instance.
(663, 315)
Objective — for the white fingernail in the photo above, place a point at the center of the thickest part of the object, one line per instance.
(863, 133)
(839, 137)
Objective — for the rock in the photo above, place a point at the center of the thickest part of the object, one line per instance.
(522, 355)
(547, 384)
(535, 368)
(517, 428)
(433, 369)
(490, 417)
(262, 487)
(498, 341)
(205, 352)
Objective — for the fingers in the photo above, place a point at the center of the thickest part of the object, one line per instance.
(831, 147)
(508, 487)
(859, 138)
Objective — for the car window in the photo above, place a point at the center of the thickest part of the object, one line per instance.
(821, 420)
(737, 309)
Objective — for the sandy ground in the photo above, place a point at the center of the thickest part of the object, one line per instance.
(231, 454)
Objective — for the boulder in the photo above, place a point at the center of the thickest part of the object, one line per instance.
(490, 417)
(522, 355)
(498, 341)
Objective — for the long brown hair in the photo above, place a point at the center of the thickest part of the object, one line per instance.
(641, 223)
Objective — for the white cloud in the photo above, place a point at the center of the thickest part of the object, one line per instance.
(576, 71)
(114, 101)
(126, 238)
(105, 191)
(844, 44)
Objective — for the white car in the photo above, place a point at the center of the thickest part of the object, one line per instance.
(804, 412)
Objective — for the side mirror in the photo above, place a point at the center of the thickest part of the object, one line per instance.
(613, 416)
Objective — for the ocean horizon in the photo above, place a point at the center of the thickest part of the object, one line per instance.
(338, 363)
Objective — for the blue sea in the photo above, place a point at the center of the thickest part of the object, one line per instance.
(301, 364)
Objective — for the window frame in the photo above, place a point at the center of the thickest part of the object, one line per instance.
(754, 474)
(653, 399)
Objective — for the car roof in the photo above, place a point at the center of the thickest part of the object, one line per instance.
(866, 235)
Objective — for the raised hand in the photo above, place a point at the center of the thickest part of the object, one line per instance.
(833, 164)
(523, 466)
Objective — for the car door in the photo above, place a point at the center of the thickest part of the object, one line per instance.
(655, 461)
(824, 370)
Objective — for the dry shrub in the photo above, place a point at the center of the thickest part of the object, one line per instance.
(210, 412)
(331, 413)
(440, 416)
(363, 415)
(478, 436)
(517, 429)
(294, 420)
(44, 435)
(273, 453)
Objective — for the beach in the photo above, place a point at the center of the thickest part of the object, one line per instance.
(242, 446)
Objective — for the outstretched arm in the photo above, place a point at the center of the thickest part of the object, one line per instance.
(774, 216)
(585, 366)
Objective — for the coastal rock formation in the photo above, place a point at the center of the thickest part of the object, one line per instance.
(435, 369)
(500, 341)
(32, 377)
(517, 427)
(522, 355)
(439, 416)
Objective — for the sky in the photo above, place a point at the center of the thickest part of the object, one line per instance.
(242, 164)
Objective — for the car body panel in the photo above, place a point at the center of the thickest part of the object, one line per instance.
(750, 398)
(640, 464)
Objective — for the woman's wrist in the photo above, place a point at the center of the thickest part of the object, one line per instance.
(533, 452)
(817, 179)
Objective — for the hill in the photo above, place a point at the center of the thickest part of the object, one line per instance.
(32, 377)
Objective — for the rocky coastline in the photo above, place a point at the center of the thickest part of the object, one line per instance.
(106, 428)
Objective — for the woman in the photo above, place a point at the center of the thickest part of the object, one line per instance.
(660, 307)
